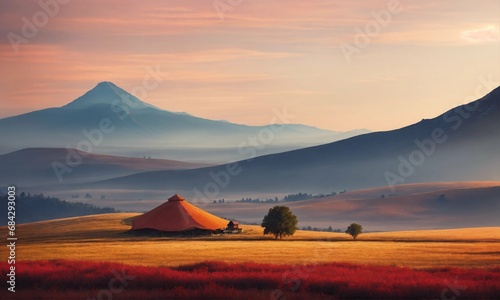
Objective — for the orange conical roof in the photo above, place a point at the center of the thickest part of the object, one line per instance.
(177, 215)
(176, 198)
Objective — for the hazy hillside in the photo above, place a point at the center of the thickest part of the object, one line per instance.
(109, 120)
(54, 166)
(416, 206)
(460, 145)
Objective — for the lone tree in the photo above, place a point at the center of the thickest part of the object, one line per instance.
(280, 222)
(354, 230)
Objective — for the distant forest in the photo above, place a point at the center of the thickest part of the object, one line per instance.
(287, 198)
(32, 208)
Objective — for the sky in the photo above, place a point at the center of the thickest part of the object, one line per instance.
(333, 64)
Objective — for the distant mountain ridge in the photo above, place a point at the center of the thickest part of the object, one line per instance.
(53, 166)
(108, 118)
(460, 145)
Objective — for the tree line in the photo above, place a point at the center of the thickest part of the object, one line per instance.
(287, 198)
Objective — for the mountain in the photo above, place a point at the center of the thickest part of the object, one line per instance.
(459, 145)
(52, 166)
(107, 93)
(109, 120)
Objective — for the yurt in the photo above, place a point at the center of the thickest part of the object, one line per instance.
(178, 216)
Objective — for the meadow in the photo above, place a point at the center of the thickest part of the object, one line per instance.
(104, 238)
(78, 257)
(216, 280)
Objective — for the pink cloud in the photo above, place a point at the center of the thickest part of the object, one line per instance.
(482, 35)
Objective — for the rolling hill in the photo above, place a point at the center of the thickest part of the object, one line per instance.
(109, 120)
(459, 145)
(52, 166)
(409, 207)
(33, 208)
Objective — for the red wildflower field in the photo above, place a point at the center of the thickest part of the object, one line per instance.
(63, 279)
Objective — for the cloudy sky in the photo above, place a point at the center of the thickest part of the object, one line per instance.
(334, 64)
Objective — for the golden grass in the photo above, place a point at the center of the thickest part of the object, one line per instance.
(102, 238)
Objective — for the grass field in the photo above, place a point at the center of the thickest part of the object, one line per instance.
(90, 258)
(103, 238)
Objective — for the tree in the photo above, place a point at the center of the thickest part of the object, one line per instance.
(280, 222)
(354, 230)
